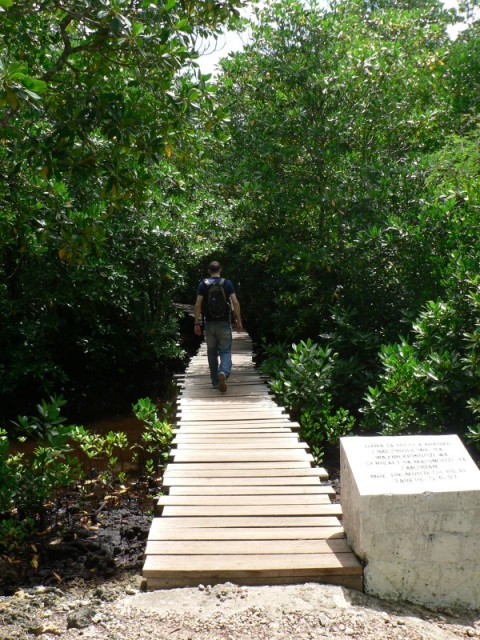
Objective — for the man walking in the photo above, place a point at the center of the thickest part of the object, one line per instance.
(214, 295)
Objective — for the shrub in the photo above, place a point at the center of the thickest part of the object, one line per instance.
(102, 447)
(430, 381)
(31, 485)
(156, 437)
(304, 387)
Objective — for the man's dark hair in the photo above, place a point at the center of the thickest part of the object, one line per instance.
(214, 266)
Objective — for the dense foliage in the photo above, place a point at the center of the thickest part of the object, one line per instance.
(37, 488)
(333, 166)
(100, 127)
(354, 169)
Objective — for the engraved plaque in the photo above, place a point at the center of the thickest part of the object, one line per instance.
(410, 464)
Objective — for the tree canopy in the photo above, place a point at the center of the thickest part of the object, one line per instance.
(332, 166)
(102, 116)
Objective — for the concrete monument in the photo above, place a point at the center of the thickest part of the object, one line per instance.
(411, 508)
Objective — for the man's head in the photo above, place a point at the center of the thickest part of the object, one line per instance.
(214, 267)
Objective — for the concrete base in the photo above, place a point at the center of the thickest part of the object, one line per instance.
(411, 509)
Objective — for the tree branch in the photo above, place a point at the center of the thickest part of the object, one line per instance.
(100, 38)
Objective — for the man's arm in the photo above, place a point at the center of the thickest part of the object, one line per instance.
(236, 308)
(197, 312)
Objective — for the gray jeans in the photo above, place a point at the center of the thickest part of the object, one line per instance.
(218, 334)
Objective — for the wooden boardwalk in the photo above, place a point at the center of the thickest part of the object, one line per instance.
(243, 501)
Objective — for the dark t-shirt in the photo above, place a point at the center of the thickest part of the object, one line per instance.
(202, 290)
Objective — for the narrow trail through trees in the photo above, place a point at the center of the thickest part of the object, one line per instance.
(243, 501)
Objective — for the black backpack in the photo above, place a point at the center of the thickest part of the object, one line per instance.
(217, 306)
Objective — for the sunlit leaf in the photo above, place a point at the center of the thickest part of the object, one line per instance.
(37, 86)
(182, 24)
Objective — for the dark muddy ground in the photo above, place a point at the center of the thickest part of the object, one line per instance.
(95, 540)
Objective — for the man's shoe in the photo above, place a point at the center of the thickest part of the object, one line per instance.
(222, 382)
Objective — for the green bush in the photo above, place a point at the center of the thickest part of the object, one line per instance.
(102, 447)
(156, 437)
(30, 484)
(473, 431)
(304, 387)
(429, 382)
(306, 377)
(34, 480)
(49, 426)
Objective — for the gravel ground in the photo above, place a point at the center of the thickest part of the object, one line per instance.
(117, 609)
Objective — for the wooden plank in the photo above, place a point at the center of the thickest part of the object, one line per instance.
(231, 432)
(209, 415)
(241, 455)
(201, 361)
(242, 364)
(264, 467)
(282, 420)
(244, 490)
(217, 425)
(228, 417)
(193, 481)
(203, 388)
(266, 436)
(230, 428)
(237, 375)
(219, 469)
(236, 564)
(241, 394)
(261, 426)
(291, 468)
(235, 427)
(221, 409)
(250, 521)
(243, 500)
(239, 474)
(224, 511)
(226, 444)
(245, 436)
(201, 384)
(224, 402)
(244, 394)
(238, 547)
(235, 438)
(225, 406)
(162, 530)
(234, 419)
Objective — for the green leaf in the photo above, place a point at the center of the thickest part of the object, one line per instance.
(170, 4)
(34, 85)
(5, 4)
(182, 24)
(137, 28)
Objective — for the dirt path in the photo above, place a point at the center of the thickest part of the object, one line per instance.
(118, 610)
